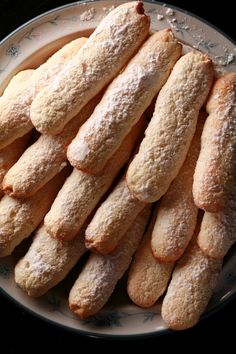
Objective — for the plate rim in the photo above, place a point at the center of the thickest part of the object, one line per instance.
(107, 336)
(87, 333)
(75, 4)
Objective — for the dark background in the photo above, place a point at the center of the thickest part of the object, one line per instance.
(18, 328)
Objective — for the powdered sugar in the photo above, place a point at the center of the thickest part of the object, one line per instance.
(126, 29)
(36, 263)
(169, 11)
(78, 150)
(124, 101)
(190, 289)
(160, 17)
(215, 171)
(88, 15)
(47, 262)
(108, 9)
(155, 166)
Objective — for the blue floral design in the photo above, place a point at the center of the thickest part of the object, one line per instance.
(106, 320)
(179, 25)
(13, 51)
(113, 319)
(30, 35)
(208, 45)
(5, 270)
(149, 316)
(54, 21)
(54, 302)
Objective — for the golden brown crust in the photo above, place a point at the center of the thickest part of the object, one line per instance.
(82, 191)
(100, 275)
(47, 262)
(20, 217)
(112, 219)
(169, 134)
(216, 167)
(177, 214)
(15, 107)
(107, 50)
(191, 287)
(43, 159)
(148, 278)
(11, 153)
(218, 231)
(124, 101)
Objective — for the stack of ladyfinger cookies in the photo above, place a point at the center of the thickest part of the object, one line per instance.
(88, 180)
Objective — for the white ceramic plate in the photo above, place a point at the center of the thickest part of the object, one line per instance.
(27, 47)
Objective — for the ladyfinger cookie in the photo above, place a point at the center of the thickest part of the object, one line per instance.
(17, 79)
(191, 287)
(11, 153)
(114, 41)
(218, 231)
(20, 217)
(124, 101)
(216, 167)
(171, 129)
(100, 275)
(43, 159)
(82, 191)
(177, 214)
(15, 107)
(47, 262)
(148, 278)
(112, 219)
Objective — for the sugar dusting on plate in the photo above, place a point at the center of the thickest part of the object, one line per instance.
(88, 15)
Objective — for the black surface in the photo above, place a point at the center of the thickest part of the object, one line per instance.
(19, 328)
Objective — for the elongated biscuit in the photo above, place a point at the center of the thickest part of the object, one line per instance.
(82, 191)
(100, 275)
(191, 287)
(44, 159)
(107, 50)
(177, 214)
(20, 217)
(15, 107)
(216, 167)
(17, 80)
(148, 278)
(169, 134)
(11, 153)
(124, 101)
(47, 262)
(218, 231)
(112, 219)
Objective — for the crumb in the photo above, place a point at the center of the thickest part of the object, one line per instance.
(170, 12)
(88, 15)
(160, 17)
